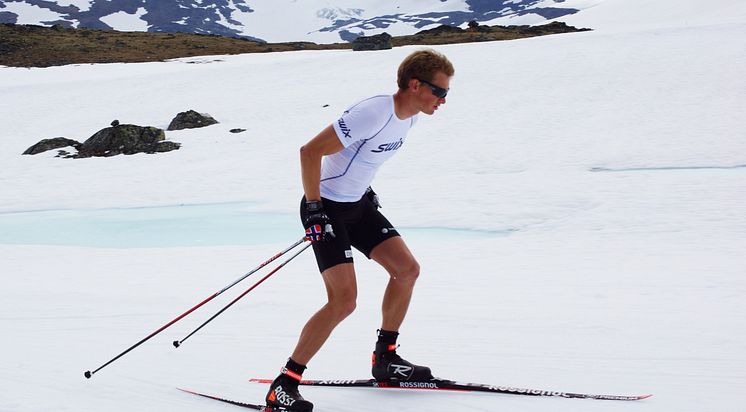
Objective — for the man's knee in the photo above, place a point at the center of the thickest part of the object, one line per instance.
(407, 272)
(344, 306)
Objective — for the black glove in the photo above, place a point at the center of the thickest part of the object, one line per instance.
(317, 223)
(373, 197)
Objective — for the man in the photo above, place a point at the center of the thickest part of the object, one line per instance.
(340, 211)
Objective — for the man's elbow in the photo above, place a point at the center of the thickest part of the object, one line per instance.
(306, 153)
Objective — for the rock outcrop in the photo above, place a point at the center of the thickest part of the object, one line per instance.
(49, 144)
(378, 42)
(191, 120)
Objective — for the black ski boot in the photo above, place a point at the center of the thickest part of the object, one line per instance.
(283, 393)
(389, 366)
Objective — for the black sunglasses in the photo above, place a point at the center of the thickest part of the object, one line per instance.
(438, 92)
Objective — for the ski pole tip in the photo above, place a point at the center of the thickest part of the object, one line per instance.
(88, 374)
(176, 344)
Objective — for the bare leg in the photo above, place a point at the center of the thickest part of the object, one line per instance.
(394, 255)
(341, 289)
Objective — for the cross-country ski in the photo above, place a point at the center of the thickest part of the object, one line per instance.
(263, 408)
(448, 385)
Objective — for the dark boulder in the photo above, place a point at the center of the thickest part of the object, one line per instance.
(191, 120)
(443, 29)
(126, 139)
(49, 144)
(551, 28)
(378, 42)
(167, 146)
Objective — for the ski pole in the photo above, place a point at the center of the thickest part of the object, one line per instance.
(88, 374)
(178, 343)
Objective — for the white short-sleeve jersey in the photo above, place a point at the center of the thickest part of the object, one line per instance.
(371, 133)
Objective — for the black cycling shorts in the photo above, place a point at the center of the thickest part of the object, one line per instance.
(355, 224)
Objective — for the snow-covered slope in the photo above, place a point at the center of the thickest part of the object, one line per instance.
(321, 21)
(578, 207)
(626, 15)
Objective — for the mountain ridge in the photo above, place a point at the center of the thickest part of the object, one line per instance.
(320, 21)
(38, 46)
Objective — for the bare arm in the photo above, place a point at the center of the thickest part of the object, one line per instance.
(325, 143)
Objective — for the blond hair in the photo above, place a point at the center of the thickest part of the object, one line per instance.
(423, 64)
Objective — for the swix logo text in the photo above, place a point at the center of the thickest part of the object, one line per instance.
(387, 147)
(343, 127)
